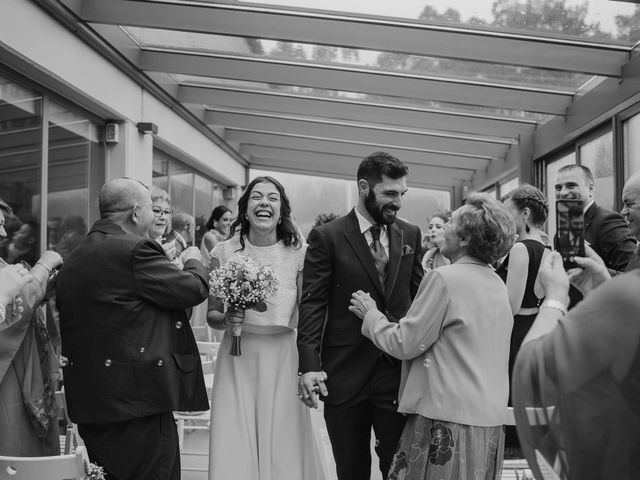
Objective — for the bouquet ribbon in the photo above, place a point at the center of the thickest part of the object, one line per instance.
(236, 320)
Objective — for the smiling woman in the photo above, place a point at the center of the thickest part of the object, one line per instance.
(254, 392)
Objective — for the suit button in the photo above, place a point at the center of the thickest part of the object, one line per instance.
(107, 363)
(427, 362)
(422, 348)
(160, 362)
(178, 325)
(141, 349)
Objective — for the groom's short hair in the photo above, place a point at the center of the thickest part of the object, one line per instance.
(375, 165)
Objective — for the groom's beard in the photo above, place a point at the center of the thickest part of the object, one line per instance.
(383, 214)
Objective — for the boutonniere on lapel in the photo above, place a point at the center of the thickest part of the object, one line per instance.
(407, 250)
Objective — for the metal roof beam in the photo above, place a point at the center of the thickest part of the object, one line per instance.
(350, 79)
(307, 156)
(344, 167)
(355, 132)
(355, 110)
(365, 32)
(248, 139)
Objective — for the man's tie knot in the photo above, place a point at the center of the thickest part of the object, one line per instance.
(375, 232)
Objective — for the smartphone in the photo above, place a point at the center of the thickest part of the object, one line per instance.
(569, 230)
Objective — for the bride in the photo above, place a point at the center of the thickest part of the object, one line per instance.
(259, 428)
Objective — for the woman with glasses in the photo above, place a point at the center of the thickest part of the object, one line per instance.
(161, 206)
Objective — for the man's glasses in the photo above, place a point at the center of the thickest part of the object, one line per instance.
(157, 211)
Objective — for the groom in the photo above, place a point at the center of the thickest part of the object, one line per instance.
(372, 250)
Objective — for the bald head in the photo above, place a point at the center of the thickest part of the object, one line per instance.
(631, 204)
(120, 195)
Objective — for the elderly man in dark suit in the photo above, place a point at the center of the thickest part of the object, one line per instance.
(131, 358)
(372, 250)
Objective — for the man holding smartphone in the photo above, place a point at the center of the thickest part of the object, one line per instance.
(606, 231)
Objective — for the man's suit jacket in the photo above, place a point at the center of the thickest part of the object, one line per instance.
(339, 262)
(610, 237)
(130, 349)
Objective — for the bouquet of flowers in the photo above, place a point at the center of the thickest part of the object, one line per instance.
(242, 284)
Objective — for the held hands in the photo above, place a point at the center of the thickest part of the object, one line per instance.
(170, 249)
(309, 385)
(361, 303)
(50, 260)
(592, 271)
(191, 253)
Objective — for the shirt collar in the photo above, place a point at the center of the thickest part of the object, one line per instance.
(588, 204)
(366, 224)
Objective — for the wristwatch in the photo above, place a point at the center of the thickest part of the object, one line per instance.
(555, 304)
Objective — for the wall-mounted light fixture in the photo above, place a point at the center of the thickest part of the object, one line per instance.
(147, 127)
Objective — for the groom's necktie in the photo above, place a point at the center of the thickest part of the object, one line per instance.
(379, 254)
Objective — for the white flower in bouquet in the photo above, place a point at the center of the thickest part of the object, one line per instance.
(242, 284)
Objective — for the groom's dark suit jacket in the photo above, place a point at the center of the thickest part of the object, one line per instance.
(339, 262)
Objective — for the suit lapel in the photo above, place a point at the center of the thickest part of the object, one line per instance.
(358, 243)
(395, 252)
(589, 215)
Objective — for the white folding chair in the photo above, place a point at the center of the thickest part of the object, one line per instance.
(190, 421)
(61, 467)
(71, 440)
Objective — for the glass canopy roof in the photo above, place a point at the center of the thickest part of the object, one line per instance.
(450, 89)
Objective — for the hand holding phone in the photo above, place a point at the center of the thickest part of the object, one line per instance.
(569, 231)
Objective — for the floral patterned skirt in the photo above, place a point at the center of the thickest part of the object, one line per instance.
(437, 450)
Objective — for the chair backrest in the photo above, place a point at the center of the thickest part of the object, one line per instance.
(208, 350)
(59, 467)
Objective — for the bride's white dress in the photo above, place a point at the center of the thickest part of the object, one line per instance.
(259, 428)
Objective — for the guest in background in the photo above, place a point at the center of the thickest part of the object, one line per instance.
(132, 357)
(74, 230)
(28, 365)
(528, 207)
(217, 228)
(23, 246)
(631, 213)
(259, 429)
(182, 231)
(576, 380)
(433, 258)
(454, 343)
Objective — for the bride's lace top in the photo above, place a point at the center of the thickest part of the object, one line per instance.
(286, 262)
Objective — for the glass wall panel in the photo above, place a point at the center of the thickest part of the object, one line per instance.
(203, 192)
(552, 176)
(597, 154)
(509, 185)
(631, 135)
(312, 196)
(161, 169)
(181, 187)
(20, 170)
(72, 137)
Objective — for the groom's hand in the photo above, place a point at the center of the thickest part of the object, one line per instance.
(309, 385)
